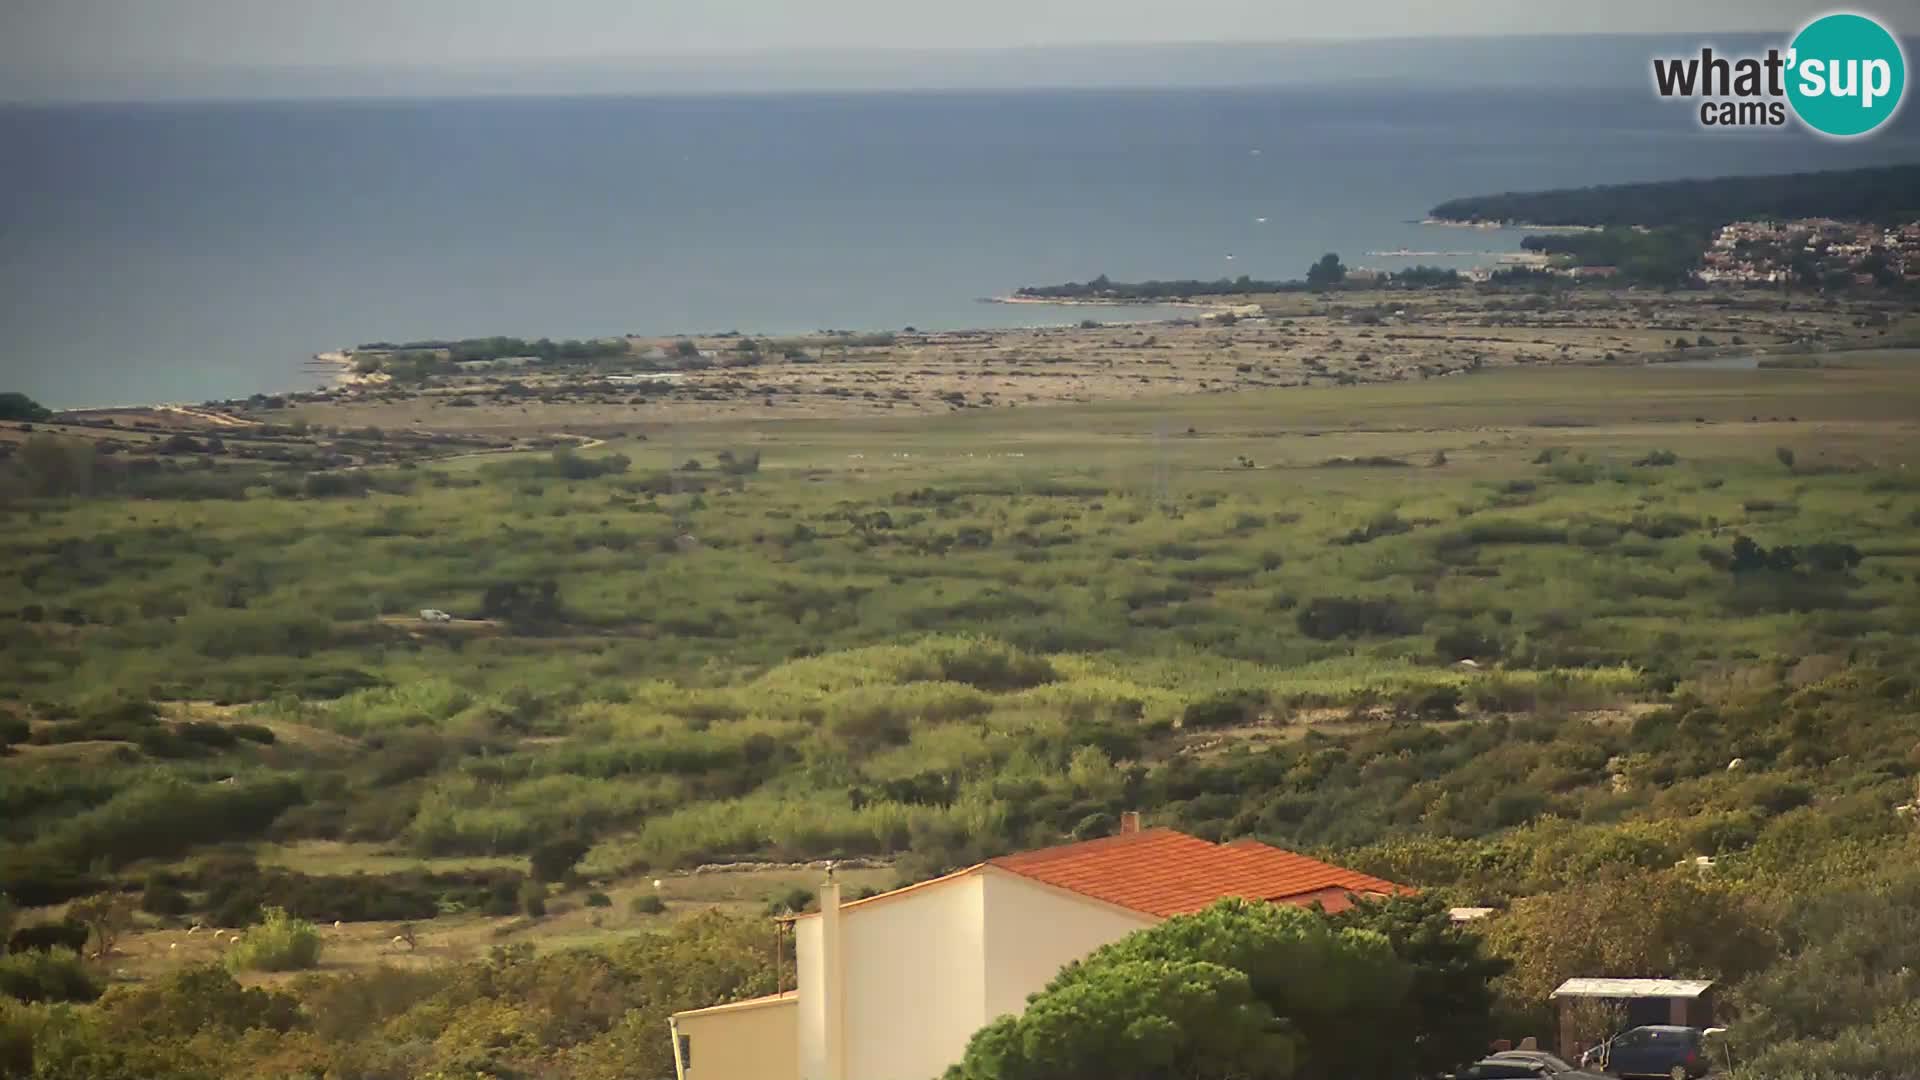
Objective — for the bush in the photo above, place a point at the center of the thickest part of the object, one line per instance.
(160, 819)
(1223, 709)
(121, 712)
(554, 861)
(279, 943)
(1387, 524)
(49, 975)
(237, 890)
(873, 726)
(990, 666)
(205, 733)
(792, 902)
(163, 899)
(34, 878)
(1466, 643)
(1094, 826)
(599, 899)
(236, 910)
(1332, 617)
(650, 904)
(1431, 704)
(503, 899)
(47, 937)
(221, 634)
(323, 485)
(530, 605)
(533, 899)
(203, 999)
(1887, 1046)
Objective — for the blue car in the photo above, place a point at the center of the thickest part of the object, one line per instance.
(1661, 1051)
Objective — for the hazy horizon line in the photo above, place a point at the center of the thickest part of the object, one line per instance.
(1455, 60)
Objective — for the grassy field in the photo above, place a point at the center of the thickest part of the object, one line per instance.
(1052, 530)
(927, 640)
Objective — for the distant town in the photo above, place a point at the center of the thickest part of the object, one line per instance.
(1813, 251)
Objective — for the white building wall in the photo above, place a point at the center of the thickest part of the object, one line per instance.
(754, 1042)
(1033, 931)
(926, 970)
(812, 984)
(916, 981)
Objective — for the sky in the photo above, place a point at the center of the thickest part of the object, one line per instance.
(67, 48)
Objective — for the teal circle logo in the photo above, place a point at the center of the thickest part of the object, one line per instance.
(1846, 75)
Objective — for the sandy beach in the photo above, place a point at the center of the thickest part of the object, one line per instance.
(339, 369)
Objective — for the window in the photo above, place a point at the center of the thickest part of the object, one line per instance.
(686, 1051)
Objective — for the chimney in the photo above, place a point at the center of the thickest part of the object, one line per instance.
(833, 970)
(1129, 822)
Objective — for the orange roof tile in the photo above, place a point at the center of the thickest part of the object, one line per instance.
(1162, 872)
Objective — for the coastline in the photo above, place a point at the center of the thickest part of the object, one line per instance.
(344, 373)
(1129, 350)
(1097, 301)
(1485, 223)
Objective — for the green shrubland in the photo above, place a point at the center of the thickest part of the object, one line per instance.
(941, 660)
(279, 942)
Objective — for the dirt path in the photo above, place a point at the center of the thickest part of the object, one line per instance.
(208, 416)
(582, 442)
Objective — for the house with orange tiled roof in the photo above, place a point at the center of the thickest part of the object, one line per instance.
(891, 987)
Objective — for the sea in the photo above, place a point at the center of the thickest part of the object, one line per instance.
(186, 252)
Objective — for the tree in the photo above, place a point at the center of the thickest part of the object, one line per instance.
(1785, 454)
(1449, 1007)
(195, 999)
(709, 958)
(1850, 953)
(106, 916)
(17, 406)
(554, 861)
(1326, 273)
(1317, 1001)
(1137, 1019)
(1667, 922)
(1594, 1020)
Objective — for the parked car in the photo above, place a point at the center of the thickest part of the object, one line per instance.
(1554, 1062)
(1495, 1068)
(1522, 1065)
(1672, 1053)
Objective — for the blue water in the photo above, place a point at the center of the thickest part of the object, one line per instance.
(185, 252)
